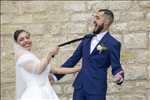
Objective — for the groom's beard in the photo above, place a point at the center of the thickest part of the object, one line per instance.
(97, 28)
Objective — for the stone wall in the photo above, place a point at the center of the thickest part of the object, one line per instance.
(54, 22)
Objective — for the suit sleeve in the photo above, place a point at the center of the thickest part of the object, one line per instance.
(115, 58)
(73, 60)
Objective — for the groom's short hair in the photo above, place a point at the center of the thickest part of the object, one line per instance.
(109, 14)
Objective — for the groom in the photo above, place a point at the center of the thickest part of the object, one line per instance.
(97, 53)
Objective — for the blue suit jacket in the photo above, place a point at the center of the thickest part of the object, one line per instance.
(93, 75)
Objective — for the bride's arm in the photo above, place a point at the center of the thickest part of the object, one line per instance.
(62, 70)
(33, 66)
(45, 61)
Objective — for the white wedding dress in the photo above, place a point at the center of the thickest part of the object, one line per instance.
(32, 86)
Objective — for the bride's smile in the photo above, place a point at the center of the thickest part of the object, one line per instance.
(24, 40)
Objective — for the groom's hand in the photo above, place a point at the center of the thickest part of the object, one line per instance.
(119, 78)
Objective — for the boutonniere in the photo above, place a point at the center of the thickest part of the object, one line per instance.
(101, 48)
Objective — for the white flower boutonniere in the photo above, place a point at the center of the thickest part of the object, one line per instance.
(101, 48)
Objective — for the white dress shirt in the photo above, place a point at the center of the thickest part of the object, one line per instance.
(95, 40)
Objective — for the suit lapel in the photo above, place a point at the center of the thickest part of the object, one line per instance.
(100, 42)
(87, 46)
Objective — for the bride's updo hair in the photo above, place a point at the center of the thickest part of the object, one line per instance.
(17, 32)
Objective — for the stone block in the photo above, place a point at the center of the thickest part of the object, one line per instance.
(119, 5)
(9, 7)
(113, 88)
(148, 96)
(34, 6)
(135, 6)
(149, 40)
(7, 61)
(6, 19)
(113, 97)
(74, 28)
(32, 28)
(134, 56)
(58, 16)
(58, 88)
(133, 97)
(119, 28)
(137, 26)
(40, 17)
(8, 91)
(35, 28)
(78, 17)
(54, 28)
(129, 16)
(21, 19)
(145, 4)
(66, 97)
(136, 87)
(8, 70)
(148, 16)
(135, 72)
(136, 40)
(74, 6)
(10, 29)
(95, 5)
(68, 89)
(148, 69)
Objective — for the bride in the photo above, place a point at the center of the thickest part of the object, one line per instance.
(32, 81)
